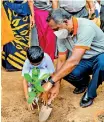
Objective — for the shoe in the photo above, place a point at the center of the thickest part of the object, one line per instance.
(44, 113)
(83, 88)
(86, 101)
(79, 90)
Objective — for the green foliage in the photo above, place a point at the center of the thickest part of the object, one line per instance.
(44, 77)
(36, 83)
(28, 77)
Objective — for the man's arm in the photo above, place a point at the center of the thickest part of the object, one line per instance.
(70, 64)
(54, 91)
(61, 60)
(67, 67)
(55, 4)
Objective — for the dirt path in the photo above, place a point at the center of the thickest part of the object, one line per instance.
(65, 107)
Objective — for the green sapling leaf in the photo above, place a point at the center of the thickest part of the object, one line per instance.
(35, 81)
(32, 94)
(34, 72)
(39, 87)
(28, 77)
(30, 100)
(44, 76)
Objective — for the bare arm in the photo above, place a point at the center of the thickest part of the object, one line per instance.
(70, 64)
(67, 67)
(32, 20)
(60, 62)
(54, 91)
(91, 6)
(25, 87)
(55, 4)
(31, 5)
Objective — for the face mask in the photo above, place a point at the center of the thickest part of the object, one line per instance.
(61, 34)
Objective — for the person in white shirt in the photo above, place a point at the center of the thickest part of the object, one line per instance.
(36, 58)
(75, 7)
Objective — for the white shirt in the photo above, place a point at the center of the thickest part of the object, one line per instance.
(72, 5)
(45, 66)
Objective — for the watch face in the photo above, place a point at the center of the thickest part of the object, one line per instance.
(51, 81)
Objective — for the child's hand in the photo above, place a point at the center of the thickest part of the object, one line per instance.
(32, 106)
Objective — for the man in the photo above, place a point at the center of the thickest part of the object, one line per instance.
(84, 41)
(75, 7)
(102, 14)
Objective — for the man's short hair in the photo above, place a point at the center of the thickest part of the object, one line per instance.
(35, 54)
(58, 15)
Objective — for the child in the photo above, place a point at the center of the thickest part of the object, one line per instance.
(36, 58)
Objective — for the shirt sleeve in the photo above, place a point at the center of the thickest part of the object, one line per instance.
(49, 64)
(26, 68)
(85, 38)
(61, 46)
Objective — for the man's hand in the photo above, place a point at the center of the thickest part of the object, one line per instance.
(44, 98)
(32, 21)
(47, 86)
(53, 93)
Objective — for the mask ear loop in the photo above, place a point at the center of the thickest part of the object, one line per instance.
(65, 21)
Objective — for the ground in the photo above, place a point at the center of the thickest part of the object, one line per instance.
(65, 108)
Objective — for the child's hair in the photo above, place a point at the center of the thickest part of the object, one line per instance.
(35, 54)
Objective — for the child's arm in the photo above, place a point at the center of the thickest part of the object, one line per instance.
(25, 87)
(26, 69)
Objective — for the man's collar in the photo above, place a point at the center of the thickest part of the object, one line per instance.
(75, 25)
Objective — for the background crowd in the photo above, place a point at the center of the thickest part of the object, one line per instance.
(26, 21)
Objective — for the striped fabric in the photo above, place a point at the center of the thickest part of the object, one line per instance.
(14, 55)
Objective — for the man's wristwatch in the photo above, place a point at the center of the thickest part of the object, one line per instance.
(51, 81)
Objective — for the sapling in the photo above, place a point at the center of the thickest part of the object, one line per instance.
(35, 80)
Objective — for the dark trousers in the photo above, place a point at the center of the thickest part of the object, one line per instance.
(102, 17)
(79, 77)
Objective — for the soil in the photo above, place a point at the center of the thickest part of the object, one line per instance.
(65, 107)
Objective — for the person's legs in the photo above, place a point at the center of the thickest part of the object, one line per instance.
(79, 77)
(34, 37)
(102, 18)
(97, 79)
(47, 39)
(97, 76)
(14, 54)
